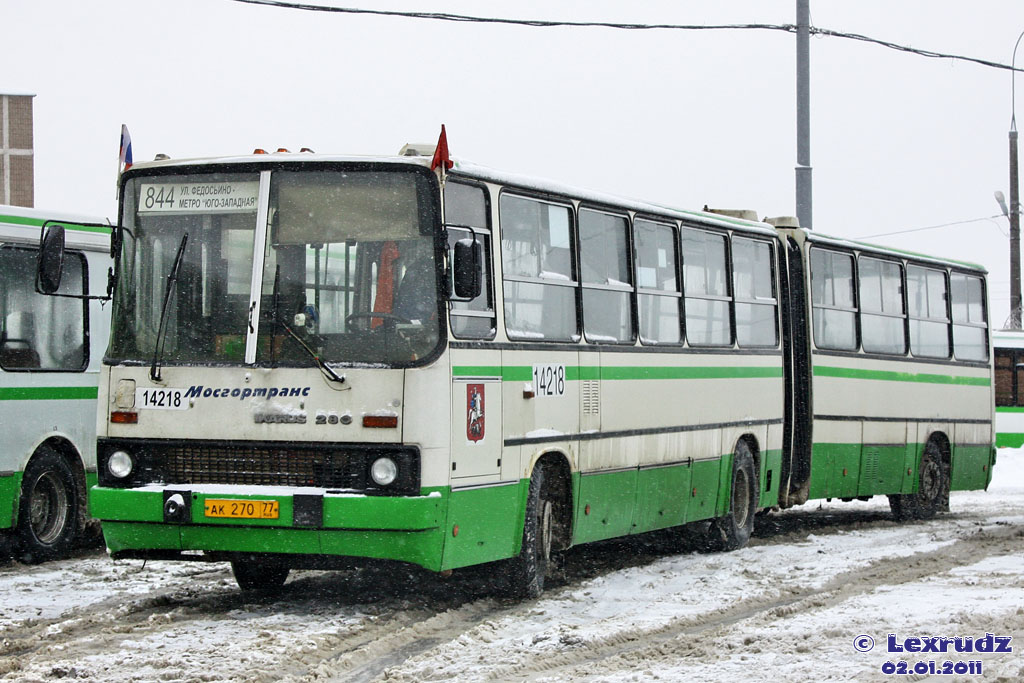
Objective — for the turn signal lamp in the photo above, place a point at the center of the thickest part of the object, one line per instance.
(381, 421)
(124, 417)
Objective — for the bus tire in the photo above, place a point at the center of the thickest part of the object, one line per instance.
(531, 565)
(733, 531)
(932, 488)
(256, 576)
(48, 510)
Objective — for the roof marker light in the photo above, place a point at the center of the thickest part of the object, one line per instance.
(259, 150)
(282, 150)
(306, 149)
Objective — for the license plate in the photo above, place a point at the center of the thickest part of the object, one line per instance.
(241, 509)
(161, 399)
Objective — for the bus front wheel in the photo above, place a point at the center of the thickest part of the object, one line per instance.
(932, 488)
(253, 575)
(48, 509)
(733, 531)
(531, 565)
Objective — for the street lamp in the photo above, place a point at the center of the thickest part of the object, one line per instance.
(1014, 209)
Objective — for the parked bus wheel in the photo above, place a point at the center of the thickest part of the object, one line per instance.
(48, 509)
(734, 529)
(932, 488)
(531, 565)
(254, 575)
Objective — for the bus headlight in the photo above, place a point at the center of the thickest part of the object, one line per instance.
(120, 464)
(384, 471)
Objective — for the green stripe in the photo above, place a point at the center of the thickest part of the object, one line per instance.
(1009, 409)
(891, 376)
(47, 393)
(524, 373)
(38, 223)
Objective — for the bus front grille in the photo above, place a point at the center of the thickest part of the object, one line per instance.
(177, 462)
(262, 465)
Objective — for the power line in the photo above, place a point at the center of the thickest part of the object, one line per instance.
(931, 227)
(543, 23)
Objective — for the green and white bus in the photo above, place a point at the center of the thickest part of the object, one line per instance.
(322, 358)
(1009, 383)
(50, 349)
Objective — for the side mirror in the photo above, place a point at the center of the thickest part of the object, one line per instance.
(466, 278)
(50, 265)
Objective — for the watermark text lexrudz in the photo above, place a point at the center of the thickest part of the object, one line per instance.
(986, 643)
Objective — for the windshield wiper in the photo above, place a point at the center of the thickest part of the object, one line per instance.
(172, 279)
(324, 367)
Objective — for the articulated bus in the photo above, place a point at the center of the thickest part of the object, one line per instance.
(1009, 363)
(50, 348)
(320, 358)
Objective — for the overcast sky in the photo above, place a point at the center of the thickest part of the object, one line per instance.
(685, 118)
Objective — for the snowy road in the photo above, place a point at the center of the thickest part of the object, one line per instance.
(788, 607)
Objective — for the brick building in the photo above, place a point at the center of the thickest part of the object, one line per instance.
(17, 185)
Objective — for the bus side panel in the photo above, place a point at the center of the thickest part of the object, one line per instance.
(606, 504)
(483, 524)
(972, 452)
(662, 496)
(10, 485)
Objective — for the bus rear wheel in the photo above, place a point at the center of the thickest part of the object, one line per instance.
(932, 488)
(531, 565)
(733, 531)
(261, 577)
(48, 512)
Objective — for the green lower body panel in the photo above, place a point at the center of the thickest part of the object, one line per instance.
(971, 467)
(406, 529)
(771, 466)
(1009, 440)
(10, 489)
(634, 501)
(484, 524)
(852, 470)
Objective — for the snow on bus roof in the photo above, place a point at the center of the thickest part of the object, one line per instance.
(820, 238)
(472, 170)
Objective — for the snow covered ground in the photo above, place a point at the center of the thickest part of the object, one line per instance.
(791, 606)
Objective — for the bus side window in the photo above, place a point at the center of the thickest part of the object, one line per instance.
(969, 329)
(835, 310)
(882, 315)
(1004, 372)
(929, 321)
(754, 287)
(657, 282)
(539, 284)
(606, 277)
(466, 205)
(705, 288)
(41, 332)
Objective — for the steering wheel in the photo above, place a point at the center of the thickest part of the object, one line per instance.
(391, 317)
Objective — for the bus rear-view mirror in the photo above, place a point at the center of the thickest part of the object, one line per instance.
(50, 265)
(466, 270)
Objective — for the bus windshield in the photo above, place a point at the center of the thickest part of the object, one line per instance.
(349, 269)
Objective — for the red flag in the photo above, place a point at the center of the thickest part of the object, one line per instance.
(441, 153)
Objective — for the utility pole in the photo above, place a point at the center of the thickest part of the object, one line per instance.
(1015, 313)
(803, 112)
(1014, 213)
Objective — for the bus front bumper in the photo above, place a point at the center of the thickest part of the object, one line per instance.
(309, 522)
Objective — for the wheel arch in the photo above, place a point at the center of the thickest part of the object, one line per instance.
(755, 452)
(557, 467)
(66, 449)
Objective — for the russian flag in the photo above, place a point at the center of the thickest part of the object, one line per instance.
(125, 154)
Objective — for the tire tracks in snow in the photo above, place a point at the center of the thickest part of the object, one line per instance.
(699, 635)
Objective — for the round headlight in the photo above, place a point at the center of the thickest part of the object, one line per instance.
(120, 464)
(384, 471)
